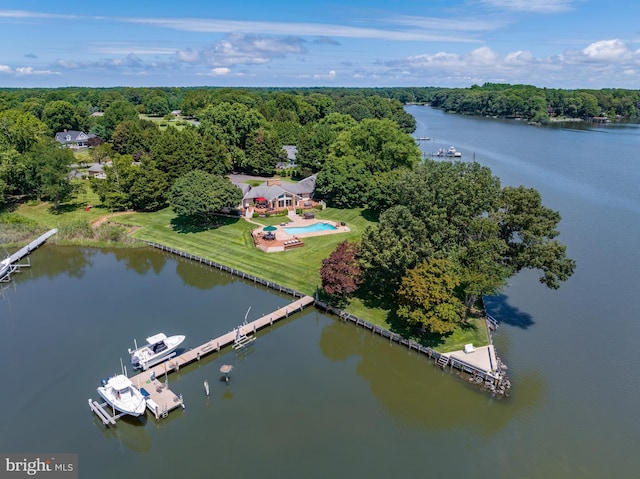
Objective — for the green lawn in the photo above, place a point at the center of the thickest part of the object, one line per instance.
(230, 243)
(162, 123)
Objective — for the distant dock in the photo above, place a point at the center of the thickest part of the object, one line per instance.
(22, 252)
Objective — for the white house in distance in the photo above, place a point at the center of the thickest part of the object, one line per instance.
(74, 138)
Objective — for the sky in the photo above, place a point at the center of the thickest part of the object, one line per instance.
(350, 43)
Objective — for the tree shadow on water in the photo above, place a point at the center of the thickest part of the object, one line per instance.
(499, 307)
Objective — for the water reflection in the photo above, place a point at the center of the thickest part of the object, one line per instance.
(142, 261)
(420, 395)
(202, 276)
(130, 433)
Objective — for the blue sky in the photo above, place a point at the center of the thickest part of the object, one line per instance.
(548, 43)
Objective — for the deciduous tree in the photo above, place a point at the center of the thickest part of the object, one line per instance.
(200, 193)
(427, 297)
(341, 273)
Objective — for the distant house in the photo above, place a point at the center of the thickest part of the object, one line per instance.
(97, 171)
(73, 138)
(292, 151)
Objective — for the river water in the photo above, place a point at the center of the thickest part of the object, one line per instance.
(315, 397)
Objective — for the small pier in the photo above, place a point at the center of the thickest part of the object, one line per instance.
(160, 399)
(22, 252)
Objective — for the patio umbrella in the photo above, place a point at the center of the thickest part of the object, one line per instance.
(270, 228)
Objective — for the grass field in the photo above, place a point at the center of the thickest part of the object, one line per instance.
(178, 123)
(230, 243)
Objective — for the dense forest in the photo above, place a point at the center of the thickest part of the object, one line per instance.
(446, 233)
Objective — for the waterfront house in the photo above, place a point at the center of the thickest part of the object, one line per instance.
(275, 194)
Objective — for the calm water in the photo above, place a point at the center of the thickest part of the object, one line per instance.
(318, 398)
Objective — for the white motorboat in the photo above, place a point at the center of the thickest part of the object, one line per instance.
(158, 348)
(5, 266)
(453, 152)
(120, 393)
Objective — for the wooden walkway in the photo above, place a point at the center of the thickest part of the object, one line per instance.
(161, 400)
(22, 252)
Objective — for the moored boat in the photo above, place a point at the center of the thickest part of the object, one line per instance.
(452, 152)
(120, 393)
(5, 266)
(158, 348)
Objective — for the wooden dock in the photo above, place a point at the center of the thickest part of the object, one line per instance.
(22, 252)
(161, 400)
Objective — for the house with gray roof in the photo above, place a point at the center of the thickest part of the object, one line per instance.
(290, 162)
(74, 138)
(275, 193)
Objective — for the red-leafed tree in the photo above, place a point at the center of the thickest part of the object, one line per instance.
(341, 273)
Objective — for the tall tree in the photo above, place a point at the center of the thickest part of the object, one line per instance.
(263, 152)
(529, 230)
(48, 165)
(60, 115)
(178, 151)
(20, 130)
(427, 297)
(200, 193)
(118, 111)
(399, 242)
(341, 273)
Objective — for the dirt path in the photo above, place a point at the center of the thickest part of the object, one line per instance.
(98, 221)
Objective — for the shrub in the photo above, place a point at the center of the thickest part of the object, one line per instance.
(107, 232)
(78, 229)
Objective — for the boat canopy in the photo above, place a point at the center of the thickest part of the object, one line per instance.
(156, 338)
(120, 382)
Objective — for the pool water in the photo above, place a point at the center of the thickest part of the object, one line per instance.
(310, 229)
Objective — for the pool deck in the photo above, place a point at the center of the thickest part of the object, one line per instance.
(284, 241)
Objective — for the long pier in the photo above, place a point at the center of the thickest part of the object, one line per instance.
(160, 399)
(22, 252)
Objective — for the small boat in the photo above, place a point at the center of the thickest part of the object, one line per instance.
(452, 152)
(5, 266)
(158, 348)
(120, 393)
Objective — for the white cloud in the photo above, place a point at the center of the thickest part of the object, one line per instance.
(220, 71)
(591, 67)
(538, 6)
(482, 56)
(519, 58)
(212, 25)
(23, 14)
(241, 49)
(188, 56)
(607, 50)
(328, 76)
(5, 69)
(27, 71)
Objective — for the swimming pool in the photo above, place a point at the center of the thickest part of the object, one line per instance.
(310, 229)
